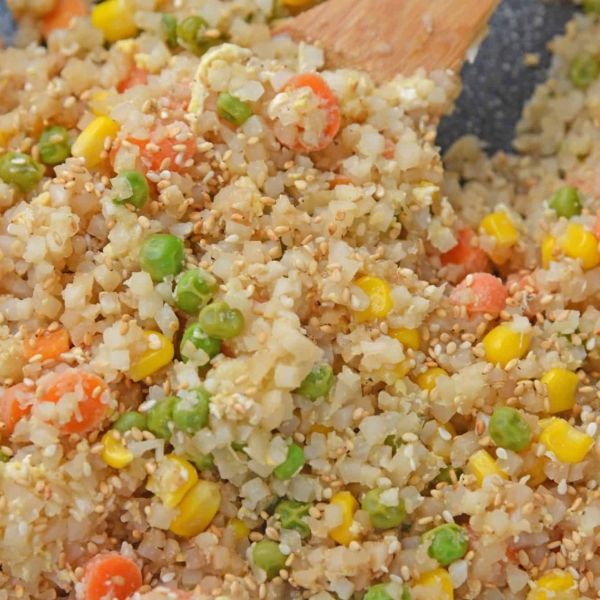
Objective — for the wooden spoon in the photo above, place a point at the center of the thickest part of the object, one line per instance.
(387, 37)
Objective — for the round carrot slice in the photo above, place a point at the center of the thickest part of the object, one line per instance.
(480, 293)
(327, 102)
(109, 576)
(15, 403)
(88, 389)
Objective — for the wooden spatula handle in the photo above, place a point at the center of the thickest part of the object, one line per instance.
(387, 37)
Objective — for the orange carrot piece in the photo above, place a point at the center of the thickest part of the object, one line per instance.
(89, 387)
(153, 161)
(136, 76)
(480, 293)
(15, 403)
(109, 576)
(60, 17)
(328, 102)
(48, 344)
(472, 258)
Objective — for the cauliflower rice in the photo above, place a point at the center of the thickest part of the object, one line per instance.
(339, 241)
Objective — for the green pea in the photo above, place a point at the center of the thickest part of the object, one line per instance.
(202, 462)
(445, 477)
(449, 542)
(383, 516)
(291, 516)
(159, 417)
(591, 6)
(393, 441)
(317, 383)
(191, 35)
(196, 336)
(194, 290)
(233, 109)
(387, 591)
(268, 557)
(292, 464)
(169, 28)
(508, 429)
(191, 411)
(162, 255)
(140, 190)
(129, 420)
(566, 202)
(20, 170)
(4, 457)
(54, 145)
(221, 321)
(239, 446)
(583, 71)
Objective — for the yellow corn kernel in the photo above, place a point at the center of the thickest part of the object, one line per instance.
(172, 480)
(502, 345)
(557, 581)
(548, 248)
(342, 534)
(500, 227)
(427, 380)
(579, 243)
(482, 465)
(159, 354)
(439, 581)
(536, 473)
(98, 103)
(115, 19)
(409, 338)
(197, 509)
(240, 528)
(560, 385)
(567, 443)
(90, 143)
(380, 297)
(114, 453)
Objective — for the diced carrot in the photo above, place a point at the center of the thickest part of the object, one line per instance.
(472, 258)
(339, 180)
(89, 389)
(155, 161)
(596, 227)
(109, 576)
(136, 76)
(480, 293)
(16, 402)
(60, 17)
(328, 102)
(48, 344)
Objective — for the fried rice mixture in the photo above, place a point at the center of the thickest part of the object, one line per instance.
(257, 342)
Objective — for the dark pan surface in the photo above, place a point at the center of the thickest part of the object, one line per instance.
(498, 84)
